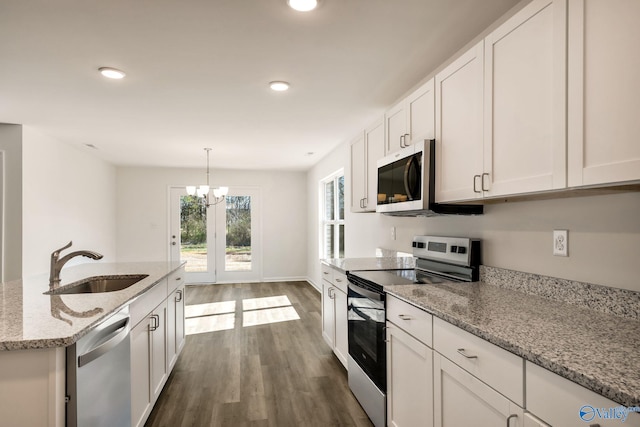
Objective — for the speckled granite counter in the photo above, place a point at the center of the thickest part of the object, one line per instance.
(366, 264)
(597, 350)
(29, 319)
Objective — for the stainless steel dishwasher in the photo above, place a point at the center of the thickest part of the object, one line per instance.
(99, 375)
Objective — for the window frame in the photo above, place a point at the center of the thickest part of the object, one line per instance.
(336, 221)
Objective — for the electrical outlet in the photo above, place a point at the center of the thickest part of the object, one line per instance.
(393, 233)
(561, 242)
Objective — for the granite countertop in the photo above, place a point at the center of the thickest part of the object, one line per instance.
(365, 264)
(597, 350)
(30, 319)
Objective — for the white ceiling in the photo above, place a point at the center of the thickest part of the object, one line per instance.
(198, 73)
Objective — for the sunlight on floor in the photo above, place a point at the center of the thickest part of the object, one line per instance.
(221, 316)
(269, 315)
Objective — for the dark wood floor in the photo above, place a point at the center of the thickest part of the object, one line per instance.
(278, 374)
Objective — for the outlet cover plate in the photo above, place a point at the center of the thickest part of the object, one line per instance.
(560, 242)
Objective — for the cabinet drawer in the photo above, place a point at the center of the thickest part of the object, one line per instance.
(176, 279)
(411, 319)
(497, 367)
(340, 281)
(559, 401)
(147, 302)
(327, 272)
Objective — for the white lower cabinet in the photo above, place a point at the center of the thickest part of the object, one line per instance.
(463, 400)
(175, 326)
(563, 403)
(532, 421)
(409, 380)
(334, 315)
(148, 363)
(141, 372)
(156, 341)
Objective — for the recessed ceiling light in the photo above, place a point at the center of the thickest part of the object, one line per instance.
(303, 5)
(279, 86)
(111, 73)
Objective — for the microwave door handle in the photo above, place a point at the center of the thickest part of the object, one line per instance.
(407, 168)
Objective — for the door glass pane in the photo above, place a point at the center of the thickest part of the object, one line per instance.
(329, 201)
(341, 241)
(238, 238)
(193, 233)
(341, 197)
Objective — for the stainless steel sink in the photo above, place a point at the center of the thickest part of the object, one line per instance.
(100, 284)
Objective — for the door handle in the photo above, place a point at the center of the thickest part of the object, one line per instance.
(173, 243)
(463, 352)
(483, 175)
(156, 322)
(402, 141)
(119, 334)
(475, 177)
(509, 418)
(179, 297)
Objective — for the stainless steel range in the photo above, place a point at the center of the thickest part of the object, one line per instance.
(438, 260)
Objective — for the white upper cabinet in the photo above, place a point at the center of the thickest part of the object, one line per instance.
(358, 173)
(603, 92)
(459, 103)
(366, 149)
(525, 102)
(501, 110)
(412, 119)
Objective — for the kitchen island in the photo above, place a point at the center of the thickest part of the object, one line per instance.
(35, 329)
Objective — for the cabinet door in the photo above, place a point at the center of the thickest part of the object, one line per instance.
(328, 314)
(358, 173)
(603, 62)
(172, 356)
(341, 326)
(396, 127)
(459, 121)
(158, 349)
(180, 330)
(525, 101)
(460, 399)
(374, 138)
(409, 380)
(421, 113)
(141, 397)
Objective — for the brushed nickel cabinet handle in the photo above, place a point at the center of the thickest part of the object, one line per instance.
(405, 317)
(475, 177)
(402, 141)
(463, 352)
(509, 418)
(179, 297)
(483, 175)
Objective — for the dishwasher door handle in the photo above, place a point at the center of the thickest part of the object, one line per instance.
(117, 333)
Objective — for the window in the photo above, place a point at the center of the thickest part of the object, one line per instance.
(332, 216)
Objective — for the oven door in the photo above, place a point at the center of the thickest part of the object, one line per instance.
(366, 320)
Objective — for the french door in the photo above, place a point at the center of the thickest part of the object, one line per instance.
(222, 243)
(238, 242)
(191, 237)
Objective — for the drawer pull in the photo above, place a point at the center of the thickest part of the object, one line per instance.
(325, 272)
(178, 278)
(509, 418)
(463, 352)
(339, 280)
(405, 317)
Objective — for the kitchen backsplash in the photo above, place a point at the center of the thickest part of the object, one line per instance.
(618, 302)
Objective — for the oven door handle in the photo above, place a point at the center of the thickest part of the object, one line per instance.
(366, 293)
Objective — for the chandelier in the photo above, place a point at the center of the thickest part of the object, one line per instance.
(202, 191)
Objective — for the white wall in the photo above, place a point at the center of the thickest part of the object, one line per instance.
(143, 215)
(68, 194)
(11, 146)
(604, 232)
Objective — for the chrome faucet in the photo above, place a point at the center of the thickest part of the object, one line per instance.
(57, 263)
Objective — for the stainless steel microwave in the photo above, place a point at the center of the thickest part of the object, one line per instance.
(406, 184)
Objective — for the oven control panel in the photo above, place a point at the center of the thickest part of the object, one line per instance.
(453, 250)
